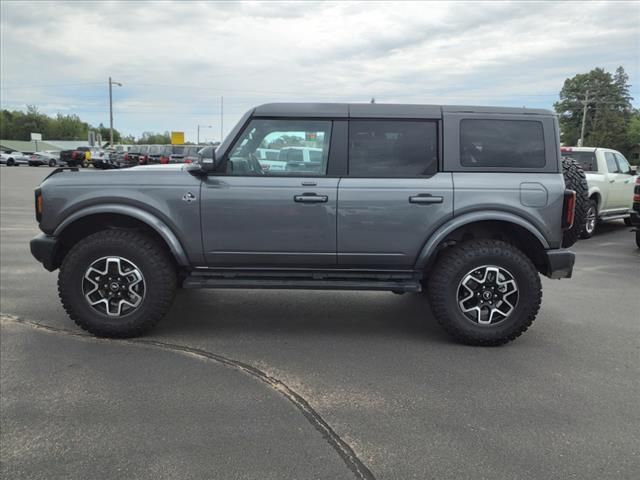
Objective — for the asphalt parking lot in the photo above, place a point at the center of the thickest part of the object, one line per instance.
(309, 385)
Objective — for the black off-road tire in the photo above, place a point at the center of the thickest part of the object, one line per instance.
(575, 179)
(452, 266)
(152, 260)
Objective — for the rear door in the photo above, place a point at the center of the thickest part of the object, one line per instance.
(393, 196)
(615, 183)
(626, 182)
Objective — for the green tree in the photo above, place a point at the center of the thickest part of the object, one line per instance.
(151, 138)
(633, 132)
(608, 105)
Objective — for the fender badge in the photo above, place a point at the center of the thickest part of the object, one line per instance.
(189, 197)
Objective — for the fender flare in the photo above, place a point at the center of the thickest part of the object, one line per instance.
(441, 233)
(126, 210)
(596, 191)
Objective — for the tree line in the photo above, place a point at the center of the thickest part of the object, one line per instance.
(18, 125)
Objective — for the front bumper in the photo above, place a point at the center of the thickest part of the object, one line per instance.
(559, 263)
(45, 249)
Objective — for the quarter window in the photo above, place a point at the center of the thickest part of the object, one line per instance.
(394, 148)
(502, 143)
(281, 147)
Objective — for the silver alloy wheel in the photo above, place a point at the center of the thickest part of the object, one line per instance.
(113, 286)
(487, 295)
(590, 224)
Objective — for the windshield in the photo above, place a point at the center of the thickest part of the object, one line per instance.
(587, 160)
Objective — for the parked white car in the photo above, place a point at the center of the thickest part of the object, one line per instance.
(46, 157)
(11, 159)
(611, 181)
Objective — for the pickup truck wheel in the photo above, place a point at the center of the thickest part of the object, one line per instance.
(591, 221)
(117, 283)
(575, 179)
(484, 292)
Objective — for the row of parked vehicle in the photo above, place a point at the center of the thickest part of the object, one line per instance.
(37, 159)
(131, 156)
(121, 156)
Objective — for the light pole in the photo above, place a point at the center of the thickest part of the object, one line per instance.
(203, 126)
(111, 83)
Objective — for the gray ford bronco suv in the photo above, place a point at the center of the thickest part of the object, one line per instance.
(469, 204)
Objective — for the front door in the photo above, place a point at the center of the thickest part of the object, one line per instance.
(273, 213)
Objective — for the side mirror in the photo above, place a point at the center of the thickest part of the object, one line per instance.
(206, 164)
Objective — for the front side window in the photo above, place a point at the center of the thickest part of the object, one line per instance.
(502, 143)
(281, 147)
(392, 148)
(612, 166)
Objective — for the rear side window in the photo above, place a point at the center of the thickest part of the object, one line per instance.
(502, 143)
(612, 166)
(392, 148)
(587, 160)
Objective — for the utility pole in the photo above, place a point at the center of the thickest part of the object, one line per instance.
(584, 119)
(111, 83)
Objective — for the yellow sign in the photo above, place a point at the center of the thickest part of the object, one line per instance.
(177, 138)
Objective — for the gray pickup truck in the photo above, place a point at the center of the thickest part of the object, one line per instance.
(468, 204)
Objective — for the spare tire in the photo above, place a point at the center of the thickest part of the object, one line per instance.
(575, 179)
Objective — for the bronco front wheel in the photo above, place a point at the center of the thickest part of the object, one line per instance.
(117, 283)
(484, 292)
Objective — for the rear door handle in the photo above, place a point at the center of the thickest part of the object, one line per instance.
(425, 199)
(310, 198)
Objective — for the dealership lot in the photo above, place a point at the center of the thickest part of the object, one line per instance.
(381, 392)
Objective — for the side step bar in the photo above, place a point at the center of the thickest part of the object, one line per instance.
(396, 282)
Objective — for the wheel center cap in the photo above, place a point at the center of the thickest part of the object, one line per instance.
(487, 295)
(115, 286)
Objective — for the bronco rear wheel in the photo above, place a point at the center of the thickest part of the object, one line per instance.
(117, 283)
(484, 292)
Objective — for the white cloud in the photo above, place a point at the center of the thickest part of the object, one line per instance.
(176, 59)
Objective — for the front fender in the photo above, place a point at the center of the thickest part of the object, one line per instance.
(126, 210)
(439, 235)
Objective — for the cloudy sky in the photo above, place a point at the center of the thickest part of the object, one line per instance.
(176, 60)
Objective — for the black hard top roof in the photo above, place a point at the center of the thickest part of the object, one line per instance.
(377, 110)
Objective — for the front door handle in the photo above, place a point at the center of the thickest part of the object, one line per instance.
(425, 199)
(310, 198)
